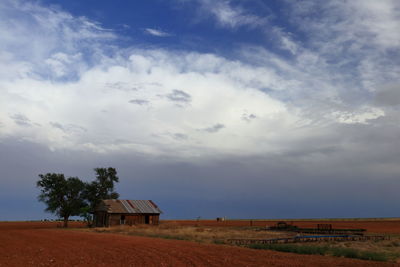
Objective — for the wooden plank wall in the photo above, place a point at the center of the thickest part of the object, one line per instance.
(115, 219)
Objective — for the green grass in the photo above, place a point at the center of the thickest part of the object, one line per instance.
(306, 249)
(324, 250)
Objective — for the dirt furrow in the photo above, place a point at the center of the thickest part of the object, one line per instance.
(59, 247)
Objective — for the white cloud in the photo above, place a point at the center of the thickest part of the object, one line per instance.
(215, 99)
(230, 16)
(157, 33)
(33, 35)
(66, 91)
(361, 116)
(361, 37)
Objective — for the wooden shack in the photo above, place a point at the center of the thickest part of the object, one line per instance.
(111, 212)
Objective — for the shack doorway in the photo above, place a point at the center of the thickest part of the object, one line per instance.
(146, 219)
(122, 219)
(105, 220)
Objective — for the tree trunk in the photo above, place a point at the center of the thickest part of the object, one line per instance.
(66, 221)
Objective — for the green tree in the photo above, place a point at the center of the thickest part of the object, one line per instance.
(64, 197)
(102, 187)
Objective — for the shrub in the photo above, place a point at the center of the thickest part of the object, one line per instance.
(344, 252)
(306, 249)
(373, 256)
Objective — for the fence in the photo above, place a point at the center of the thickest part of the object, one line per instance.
(304, 239)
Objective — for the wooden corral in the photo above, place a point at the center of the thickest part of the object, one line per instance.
(112, 212)
(305, 239)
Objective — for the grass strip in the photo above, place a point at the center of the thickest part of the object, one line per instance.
(324, 250)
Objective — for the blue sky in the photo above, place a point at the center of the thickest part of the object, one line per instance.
(189, 25)
(244, 109)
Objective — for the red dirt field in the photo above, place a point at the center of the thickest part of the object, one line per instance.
(38, 225)
(33, 244)
(372, 226)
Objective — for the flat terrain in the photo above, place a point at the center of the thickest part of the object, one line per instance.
(388, 226)
(43, 244)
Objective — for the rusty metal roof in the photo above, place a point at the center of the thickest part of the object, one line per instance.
(128, 206)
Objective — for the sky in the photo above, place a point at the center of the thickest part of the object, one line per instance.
(210, 108)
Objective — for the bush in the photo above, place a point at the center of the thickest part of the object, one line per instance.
(306, 249)
(344, 252)
(373, 256)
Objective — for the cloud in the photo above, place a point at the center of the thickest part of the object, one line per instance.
(222, 96)
(121, 86)
(139, 102)
(157, 33)
(253, 125)
(179, 97)
(356, 36)
(180, 136)
(248, 117)
(388, 96)
(47, 42)
(69, 128)
(230, 16)
(213, 129)
(288, 100)
(21, 120)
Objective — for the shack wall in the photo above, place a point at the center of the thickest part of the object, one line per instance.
(103, 219)
(152, 219)
(115, 219)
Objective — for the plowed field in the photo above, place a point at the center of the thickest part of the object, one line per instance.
(372, 226)
(36, 244)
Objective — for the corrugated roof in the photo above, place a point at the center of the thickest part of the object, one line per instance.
(128, 206)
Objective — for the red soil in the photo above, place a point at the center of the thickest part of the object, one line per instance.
(37, 225)
(372, 226)
(30, 244)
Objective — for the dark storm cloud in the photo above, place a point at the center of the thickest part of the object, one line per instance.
(179, 97)
(316, 178)
(213, 129)
(21, 120)
(139, 102)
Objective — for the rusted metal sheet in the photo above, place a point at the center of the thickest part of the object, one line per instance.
(129, 206)
(143, 206)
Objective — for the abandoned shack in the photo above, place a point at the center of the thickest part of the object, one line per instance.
(111, 212)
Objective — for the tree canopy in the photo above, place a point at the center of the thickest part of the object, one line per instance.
(64, 197)
(73, 197)
(102, 187)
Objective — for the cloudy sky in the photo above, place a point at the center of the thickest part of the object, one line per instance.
(244, 109)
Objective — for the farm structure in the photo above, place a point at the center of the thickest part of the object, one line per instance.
(321, 229)
(111, 212)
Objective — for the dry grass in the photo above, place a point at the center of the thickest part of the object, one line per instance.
(385, 249)
(389, 247)
(219, 235)
(200, 234)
